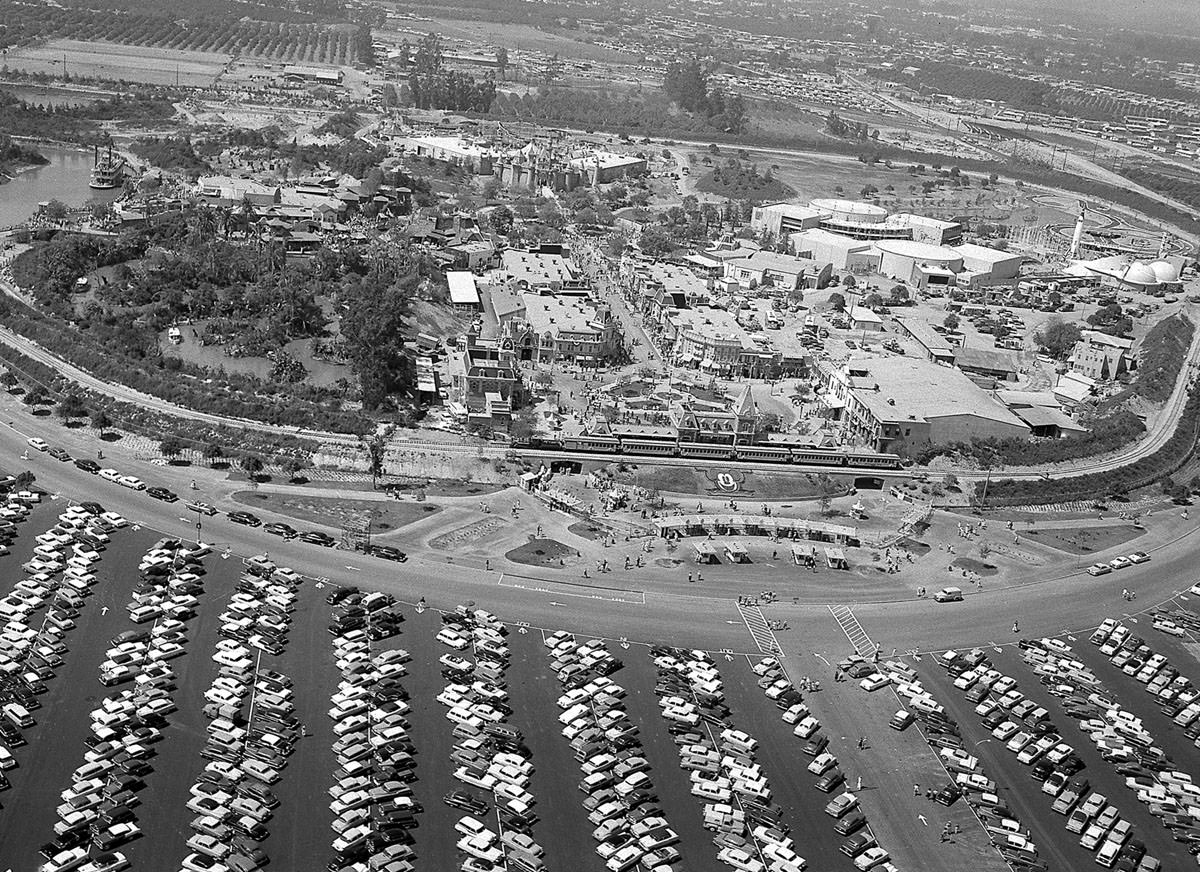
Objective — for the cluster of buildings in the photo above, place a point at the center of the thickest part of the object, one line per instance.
(300, 215)
(864, 238)
(530, 166)
(533, 307)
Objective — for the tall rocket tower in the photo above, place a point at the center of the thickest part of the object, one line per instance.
(1077, 236)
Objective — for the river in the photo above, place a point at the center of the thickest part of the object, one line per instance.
(65, 178)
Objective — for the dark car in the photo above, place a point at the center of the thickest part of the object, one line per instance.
(161, 493)
(816, 745)
(280, 529)
(244, 518)
(92, 508)
(70, 839)
(59, 454)
(463, 800)
(315, 537)
(830, 781)
(948, 795)
(87, 465)
(389, 553)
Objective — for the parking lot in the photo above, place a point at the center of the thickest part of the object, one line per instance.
(651, 719)
(300, 827)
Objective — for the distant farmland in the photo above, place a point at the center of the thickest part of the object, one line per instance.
(106, 60)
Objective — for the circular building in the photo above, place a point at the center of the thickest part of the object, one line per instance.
(900, 258)
(850, 211)
(1139, 275)
(1165, 272)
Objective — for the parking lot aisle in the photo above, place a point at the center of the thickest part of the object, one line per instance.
(563, 828)
(300, 831)
(55, 743)
(431, 735)
(684, 811)
(785, 767)
(163, 815)
(1102, 774)
(1056, 846)
(890, 765)
(1132, 695)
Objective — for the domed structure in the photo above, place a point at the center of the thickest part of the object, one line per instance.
(1165, 272)
(1139, 274)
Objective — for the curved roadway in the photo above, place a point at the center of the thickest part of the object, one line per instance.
(698, 619)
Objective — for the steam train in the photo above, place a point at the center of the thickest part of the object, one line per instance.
(650, 447)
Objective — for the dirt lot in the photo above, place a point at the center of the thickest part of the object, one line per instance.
(334, 513)
(1083, 540)
(106, 60)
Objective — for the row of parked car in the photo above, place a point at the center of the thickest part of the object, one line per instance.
(1027, 730)
(98, 807)
(861, 843)
(488, 754)
(1117, 563)
(1170, 794)
(371, 797)
(943, 734)
(750, 833)
(252, 726)
(631, 827)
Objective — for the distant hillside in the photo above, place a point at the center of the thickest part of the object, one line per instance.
(1171, 17)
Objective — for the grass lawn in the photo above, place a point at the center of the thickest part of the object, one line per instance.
(976, 566)
(773, 485)
(1083, 540)
(385, 516)
(541, 552)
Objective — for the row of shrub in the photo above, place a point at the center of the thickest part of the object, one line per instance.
(231, 442)
(1177, 451)
(155, 376)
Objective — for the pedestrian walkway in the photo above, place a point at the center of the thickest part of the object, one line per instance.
(759, 629)
(853, 629)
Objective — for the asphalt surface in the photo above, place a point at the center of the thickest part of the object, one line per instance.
(694, 617)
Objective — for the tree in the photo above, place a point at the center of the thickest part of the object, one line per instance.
(170, 448)
(500, 220)
(850, 282)
(899, 296)
(252, 464)
(524, 425)
(212, 451)
(950, 322)
(837, 302)
(375, 447)
(72, 406)
(294, 465)
(828, 489)
(100, 420)
(1058, 338)
(543, 380)
(873, 301)
(56, 211)
(390, 98)
(502, 61)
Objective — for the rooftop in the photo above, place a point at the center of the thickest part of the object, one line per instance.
(900, 388)
(559, 314)
(463, 289)
(535, 268)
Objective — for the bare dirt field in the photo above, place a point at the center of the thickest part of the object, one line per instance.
(107, 60)
(514, 37)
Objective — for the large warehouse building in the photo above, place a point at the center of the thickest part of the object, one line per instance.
(904, 405)
(855, 219)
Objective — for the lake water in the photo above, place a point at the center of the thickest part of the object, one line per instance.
(65, 178)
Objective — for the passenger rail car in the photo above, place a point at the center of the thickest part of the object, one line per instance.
(801, 456)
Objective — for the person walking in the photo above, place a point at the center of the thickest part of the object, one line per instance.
(1016, 627)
